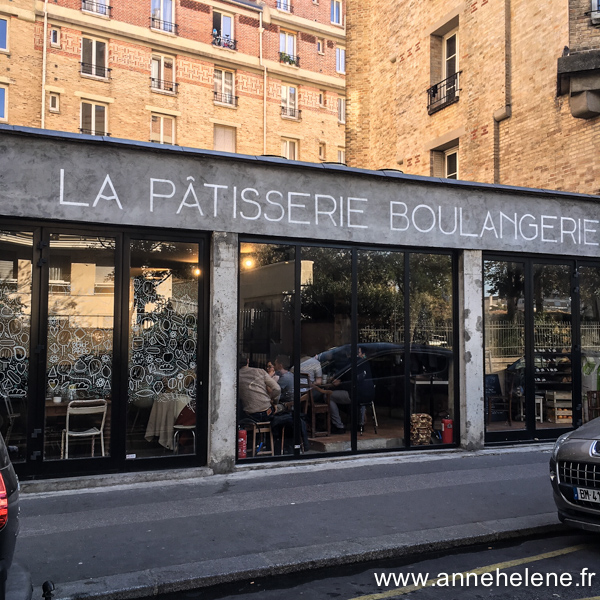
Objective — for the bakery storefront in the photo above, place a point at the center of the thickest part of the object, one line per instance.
(399, 312)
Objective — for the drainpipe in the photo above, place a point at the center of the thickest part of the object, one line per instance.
(506, 111)
(44, 64)
(260, 58)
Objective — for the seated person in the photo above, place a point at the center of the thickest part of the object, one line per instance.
(258, 392)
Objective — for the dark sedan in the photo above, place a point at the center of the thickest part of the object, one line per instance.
(575, 476)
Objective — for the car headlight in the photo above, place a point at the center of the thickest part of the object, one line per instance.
(559, 442)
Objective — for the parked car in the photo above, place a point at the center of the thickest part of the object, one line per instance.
(15, 582)
(575, 476)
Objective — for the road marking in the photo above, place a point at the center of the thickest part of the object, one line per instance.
(490, 568)
(594, 598)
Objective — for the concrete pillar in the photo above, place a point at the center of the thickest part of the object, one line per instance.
(472, 413)
(223, 317)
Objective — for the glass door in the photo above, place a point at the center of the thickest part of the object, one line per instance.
(530, 350)
(16, 278)
(79, 359)
(164, 283)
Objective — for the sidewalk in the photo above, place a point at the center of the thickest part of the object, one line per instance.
(135, 537)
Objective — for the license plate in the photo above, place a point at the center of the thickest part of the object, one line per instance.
(587, 495)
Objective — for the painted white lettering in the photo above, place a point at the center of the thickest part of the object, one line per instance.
(153, 194)
(543, 219)
(216, 194)
(503, 218)
(234, 207)
(341, 211)
(402, 215)
(587, 230)
(532, 225)
(113, 196)
(455, 221)
(318, 210)
(61, 198)
(292, 205)
(267, 217)
(350, 210)
(414, 220)
(250, 201)
(564, 231)
(490, 227)
(462, 232)
(191, 191)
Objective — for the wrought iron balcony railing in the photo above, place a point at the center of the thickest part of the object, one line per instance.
(443, 93)
(100, 8)
(289, 59)
(283, 5)
(292, 113)
(95, 70)
(94, 132)
(163, 85)
(163, 25)
(224, 41)
(226, 98)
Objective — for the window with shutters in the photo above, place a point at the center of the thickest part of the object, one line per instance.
(224, 138)
(162, 129)
(94, 59)
(224, 87)
(93, 118)
(163, 74)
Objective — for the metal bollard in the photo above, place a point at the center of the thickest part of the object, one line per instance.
(47, 589)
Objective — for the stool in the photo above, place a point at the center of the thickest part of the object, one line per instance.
(263, 431)
(178, 429)
(363, 416)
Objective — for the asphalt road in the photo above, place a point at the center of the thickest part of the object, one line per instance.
(564, 567)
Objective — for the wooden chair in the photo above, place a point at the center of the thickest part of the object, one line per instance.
(11, 415)
(593, 402)
(307, 403)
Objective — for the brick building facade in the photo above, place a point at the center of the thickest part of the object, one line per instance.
(502, 91)
(242, 76)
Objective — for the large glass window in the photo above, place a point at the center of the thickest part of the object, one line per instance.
(381, 378)
(266, 347)
(15, 332)
(431, 342)
(79, 368)
(504, 319)
(355, 387)
(553, 344)
(589, 278)
(163, 337)
(93, 58)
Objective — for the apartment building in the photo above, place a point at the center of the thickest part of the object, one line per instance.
(230, 75)
(496, 91)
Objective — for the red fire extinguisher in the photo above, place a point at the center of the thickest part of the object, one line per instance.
(447, 431)
(242, 443)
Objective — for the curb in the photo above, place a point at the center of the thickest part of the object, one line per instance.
(179, 578)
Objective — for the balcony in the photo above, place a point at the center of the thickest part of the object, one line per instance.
(94, 132)
(163, 25)
(95, 70)
(286, 6)
(98, 8)
(163, 85)
(443, 94)
(224, 41)
(228, 99)
(289, 59)
(290, 112)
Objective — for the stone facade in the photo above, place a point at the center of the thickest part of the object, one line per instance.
(510, 122)
(129, 98)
